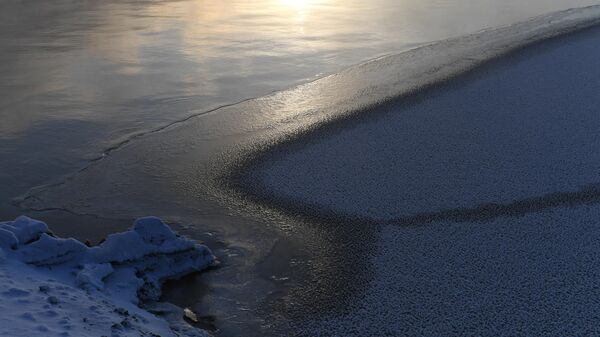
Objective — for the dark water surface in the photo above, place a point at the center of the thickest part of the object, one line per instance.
(79, 78)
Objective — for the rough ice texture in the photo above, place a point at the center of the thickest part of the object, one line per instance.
(537, 275)
(24, 229)
(521, 135)
(60, 287)
(201, 139)
(122, 177)
(516, 145)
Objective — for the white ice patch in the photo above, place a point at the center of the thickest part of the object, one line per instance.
(25, 229)
(92, 275)
(48, 250)
(60, 287)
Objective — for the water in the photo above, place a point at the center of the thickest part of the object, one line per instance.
(78, 77)
(276, 269)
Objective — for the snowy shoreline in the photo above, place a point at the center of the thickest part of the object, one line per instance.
(61, 287)
(188, 150)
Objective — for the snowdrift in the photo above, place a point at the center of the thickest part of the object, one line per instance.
(61, 286)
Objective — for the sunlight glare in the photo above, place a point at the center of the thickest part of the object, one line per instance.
(298, 4)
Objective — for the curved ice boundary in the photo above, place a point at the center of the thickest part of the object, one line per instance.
(61, 287)
(196, 147)
(531, 276)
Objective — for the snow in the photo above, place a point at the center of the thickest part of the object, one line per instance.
(48, 251)
(536, 275)
(363, 160)
(24, 229)
(60, 287)
(510, 132)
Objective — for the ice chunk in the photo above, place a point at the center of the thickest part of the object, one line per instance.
(132, 264)
(119, 247)
(149, 236)
(49, 251)
(8, 240)
(152, 230)
(92, 274)
(25, 229)
(127, 267)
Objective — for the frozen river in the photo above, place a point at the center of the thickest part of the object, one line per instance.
(112, 110)
(79, 77)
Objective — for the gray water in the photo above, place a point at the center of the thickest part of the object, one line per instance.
(78, 77)
(276, 269)
(81, 77)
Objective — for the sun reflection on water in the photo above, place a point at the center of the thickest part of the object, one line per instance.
(297, 3)
(91, 61)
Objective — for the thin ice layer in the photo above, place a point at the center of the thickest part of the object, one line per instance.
(192, 152)
(519, 136)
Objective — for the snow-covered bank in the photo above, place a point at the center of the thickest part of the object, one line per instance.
(61, 287)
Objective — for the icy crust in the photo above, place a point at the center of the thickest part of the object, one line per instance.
(536, 275)
(150, 250)
(71, 289)
(234, 132)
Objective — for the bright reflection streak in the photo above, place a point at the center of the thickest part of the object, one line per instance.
(159, 60)
(299, 4)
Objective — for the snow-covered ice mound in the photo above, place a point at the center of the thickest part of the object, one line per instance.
(61, 287)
